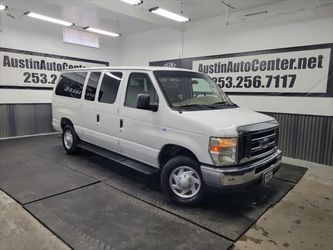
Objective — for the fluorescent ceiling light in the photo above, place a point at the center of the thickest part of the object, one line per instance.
(102, 32)
(133, 2)
(3, 7)
(168, 14)
(48, 19)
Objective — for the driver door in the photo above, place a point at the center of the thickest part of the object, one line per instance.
(139, 128)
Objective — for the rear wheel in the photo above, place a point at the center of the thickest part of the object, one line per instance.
(70, 139)
(182, 182)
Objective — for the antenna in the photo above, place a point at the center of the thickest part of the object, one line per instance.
(181, 52)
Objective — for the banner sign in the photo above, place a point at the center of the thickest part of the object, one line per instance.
(305, 71)
(32, 70)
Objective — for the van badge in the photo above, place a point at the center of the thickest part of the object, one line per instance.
(264, 143)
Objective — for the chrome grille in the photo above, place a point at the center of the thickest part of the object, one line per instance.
(262, 142)
(257, 143)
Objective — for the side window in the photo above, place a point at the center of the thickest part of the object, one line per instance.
(139, 83)
(71, 84)
(92, 86)
(109, 87)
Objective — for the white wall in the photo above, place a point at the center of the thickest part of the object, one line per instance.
(37, 36)
(212, 36)
(200, 38)
(140, 48)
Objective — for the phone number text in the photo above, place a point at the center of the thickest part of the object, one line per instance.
(268, 81)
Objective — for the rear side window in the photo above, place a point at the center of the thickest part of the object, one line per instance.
(71, 84)
(109, 87)
(92, 86)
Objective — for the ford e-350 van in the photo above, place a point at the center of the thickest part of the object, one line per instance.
(173, 121)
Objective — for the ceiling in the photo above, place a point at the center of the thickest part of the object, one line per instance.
(194, 9)
(123, 18)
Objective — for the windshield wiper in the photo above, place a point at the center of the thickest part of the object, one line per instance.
(197, 105)
(224, 103)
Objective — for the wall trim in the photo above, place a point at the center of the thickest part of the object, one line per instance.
(26, 136)
(24, 87)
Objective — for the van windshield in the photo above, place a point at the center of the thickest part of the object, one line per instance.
(192, 91)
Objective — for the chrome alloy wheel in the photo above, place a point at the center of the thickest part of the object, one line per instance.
(68, 139)
(185, 182)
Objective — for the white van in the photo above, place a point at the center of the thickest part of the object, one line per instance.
(173, 121)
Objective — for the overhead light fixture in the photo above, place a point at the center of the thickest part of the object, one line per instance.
(3, 7)
(133, 2)
(170, 15)
(48, 19)
(102, 32)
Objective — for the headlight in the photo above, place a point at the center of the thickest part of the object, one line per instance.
(223, 151)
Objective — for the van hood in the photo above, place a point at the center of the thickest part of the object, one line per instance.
(221, 122)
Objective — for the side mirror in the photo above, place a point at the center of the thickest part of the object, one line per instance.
(143, 102)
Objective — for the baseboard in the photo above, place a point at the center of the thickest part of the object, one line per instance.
(24, 136)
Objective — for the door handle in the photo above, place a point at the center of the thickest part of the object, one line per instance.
(121, 123)
(97, 118)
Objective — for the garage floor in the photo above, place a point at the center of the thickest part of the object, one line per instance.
(92, 203)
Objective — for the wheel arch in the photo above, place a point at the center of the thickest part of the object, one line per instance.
(64, 122)
(169, 151)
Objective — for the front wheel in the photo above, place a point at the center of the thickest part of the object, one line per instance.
(182, 182)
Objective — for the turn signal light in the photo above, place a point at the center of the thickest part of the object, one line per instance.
(228, 143)
(215, 148)
(223, 150)
(223, 143)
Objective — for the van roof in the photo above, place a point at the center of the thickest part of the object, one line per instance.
(145, 68)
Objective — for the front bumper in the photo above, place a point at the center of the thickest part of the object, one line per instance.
(240, 175)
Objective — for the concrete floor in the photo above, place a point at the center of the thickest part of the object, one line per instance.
(19, 230)
(301, 220)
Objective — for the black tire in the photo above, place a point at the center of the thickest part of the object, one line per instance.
(73, 149)
(169, 167)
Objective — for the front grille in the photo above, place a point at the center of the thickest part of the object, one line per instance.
(256, 144)
(262, 142)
